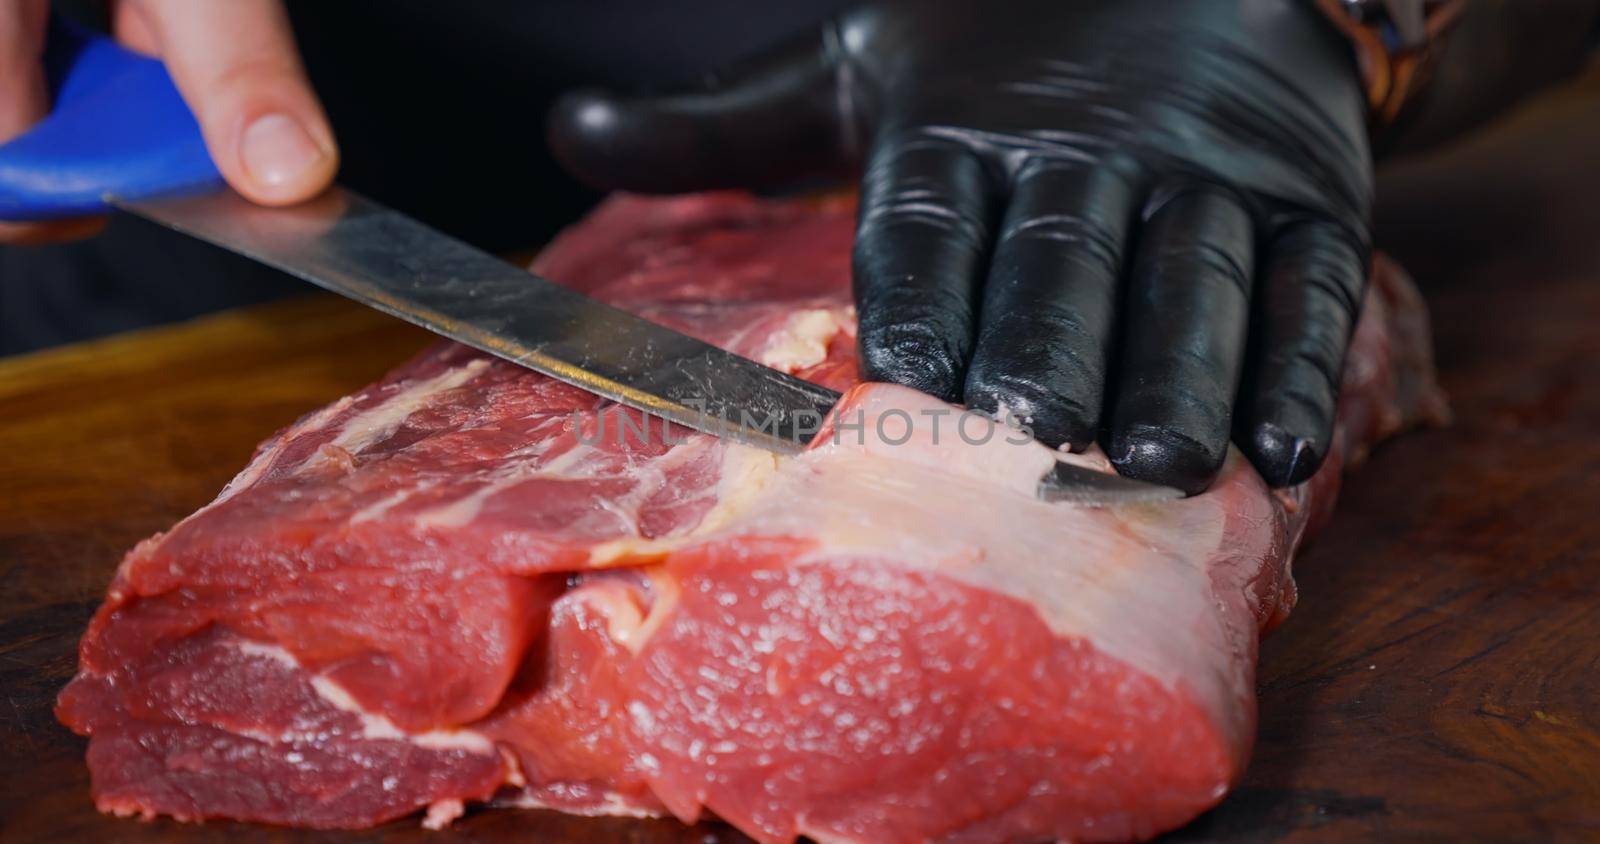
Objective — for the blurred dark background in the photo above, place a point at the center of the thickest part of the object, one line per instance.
(439, 111)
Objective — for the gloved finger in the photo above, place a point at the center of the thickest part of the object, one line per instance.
(775, 119)
(1049, 304)
(23, 101)
(1185, 325)
(1310, 294)
(927, 207)
(238, 69)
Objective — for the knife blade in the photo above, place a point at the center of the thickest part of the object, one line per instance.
(358, 248)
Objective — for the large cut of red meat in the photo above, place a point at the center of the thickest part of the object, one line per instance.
(452, 587)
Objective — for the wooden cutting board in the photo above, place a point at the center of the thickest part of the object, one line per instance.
(1440, 678)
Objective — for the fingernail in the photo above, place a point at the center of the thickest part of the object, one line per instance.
(1282, 458)
(277, 150)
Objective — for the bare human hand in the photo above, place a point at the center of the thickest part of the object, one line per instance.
(236, 66)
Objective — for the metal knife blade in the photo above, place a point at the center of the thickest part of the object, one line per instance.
(358, 248)
(1074, 484)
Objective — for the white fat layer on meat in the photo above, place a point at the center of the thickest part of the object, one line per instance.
(442, 813)
(803, 342)
(513, 766)
(578, 461)
(611, 805)
(374, 726)
(464, 509)
(566, 466)
(387, 503)
(357, 432)
(272, 652)
(970, 512)
(745, 470)
(377, 726)
(264, 461)
(380, 421)
(803, 828)
(625, 624)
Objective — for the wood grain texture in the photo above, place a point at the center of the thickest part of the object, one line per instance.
(1439, 680)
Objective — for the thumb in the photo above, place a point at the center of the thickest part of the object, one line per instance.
(777, 119)
(236, 66)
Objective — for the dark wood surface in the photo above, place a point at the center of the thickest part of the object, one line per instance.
(1440, 678)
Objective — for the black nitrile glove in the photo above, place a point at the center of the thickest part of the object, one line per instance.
(1085, 211)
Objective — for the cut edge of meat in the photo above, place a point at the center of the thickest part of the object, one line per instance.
(307, 756)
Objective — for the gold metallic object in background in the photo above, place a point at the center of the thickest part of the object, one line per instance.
(1396, 42)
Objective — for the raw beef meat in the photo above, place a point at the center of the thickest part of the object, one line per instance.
(447, 588)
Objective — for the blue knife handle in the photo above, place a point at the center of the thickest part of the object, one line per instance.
(119, 128)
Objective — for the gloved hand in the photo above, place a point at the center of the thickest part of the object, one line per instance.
(1084, 211)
